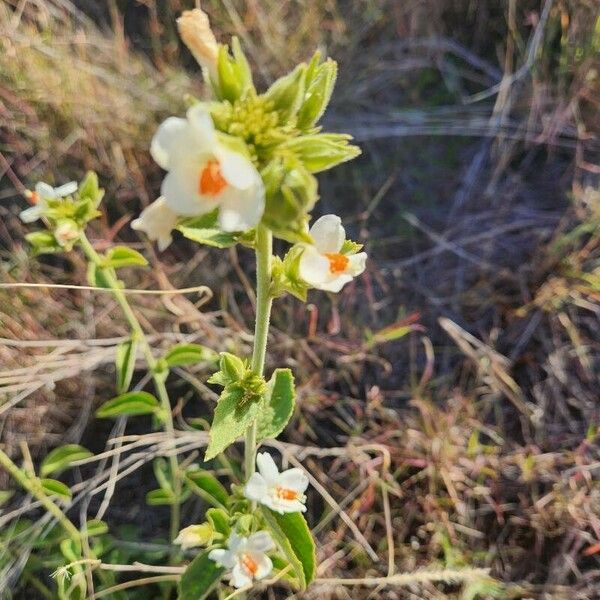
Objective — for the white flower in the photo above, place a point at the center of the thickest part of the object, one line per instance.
(281, 492)
(203, 174)
(66, 233)
(38, 198)
(194, 535)
(246, 557)
(323, 266)
(157, 221)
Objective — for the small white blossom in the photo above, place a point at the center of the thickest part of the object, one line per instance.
(282, 492)
(194, 535)
(38, 198)
(323, 266)
(157, 221)
(246, 557)
(203, 174)
(66, 233)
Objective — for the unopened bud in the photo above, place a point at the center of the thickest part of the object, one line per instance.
(194, 29)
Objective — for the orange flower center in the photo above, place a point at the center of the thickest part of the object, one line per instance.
(33, 197)
(337, 262)
(285, 493)
(249, 564)
(211, 181)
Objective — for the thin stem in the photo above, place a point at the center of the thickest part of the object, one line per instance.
(264, 300)
(34, 487)
(159, 380)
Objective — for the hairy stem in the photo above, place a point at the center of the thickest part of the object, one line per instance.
(157, 376)
(264, 251)
(34, 487)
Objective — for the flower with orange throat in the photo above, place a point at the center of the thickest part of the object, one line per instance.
(204, 174)
(323, 265)
(246, 557)
(282, 492)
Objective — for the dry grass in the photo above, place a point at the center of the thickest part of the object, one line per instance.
(470, 442)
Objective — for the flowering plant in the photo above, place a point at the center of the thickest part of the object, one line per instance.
(240, 168)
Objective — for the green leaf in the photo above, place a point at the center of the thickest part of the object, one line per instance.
(320, 81)
(292, 534)
(322, 151)
(278, 405)
(160, 497)
(43, 242)
(219, 519)
(208, 487)
(130, 403)
(188, 354)
(286, 94)
(53, 487)
(162, 472)
(96, 527)
(61, 458)
(122, 256)
(231, 419)
(200, 578)
(89, 189)
(205, 230)
(125, 364)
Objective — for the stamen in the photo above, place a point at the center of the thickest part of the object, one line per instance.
(249, 564)
(337, 262)
(211, 181)
(285, 493)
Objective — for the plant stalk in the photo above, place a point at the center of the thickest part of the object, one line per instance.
(158, 378)
(264, 300)
(34, 487)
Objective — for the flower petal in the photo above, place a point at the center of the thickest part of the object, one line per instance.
(166, 140)
(264, 566)
(222, 557)
(357, 263)
(235, 542)
(256, 488)
(202, 126)
(261, 541)
(157, 220)
(267, 467)
(66, 190)
(180, 190)
(236, 168)
(314, 267)
(31, 214)
(335, 284)
(44, 190)
(294, 479)
(241, 210)
(239, 578)
(328, 234)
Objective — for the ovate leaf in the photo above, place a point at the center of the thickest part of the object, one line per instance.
(219, 519)
(200, 578)
(292, 534)
(53, 487)
(122, 256)
(61, 458)
(188, 354)
(205, 230)
(278, 405)
(130, 403)
(160, 497)
(125, 364)
(232, 418)
(207, 486)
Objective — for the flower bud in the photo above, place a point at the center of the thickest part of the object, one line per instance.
(287, 93)
(194, 535)
(322, 151)
(233, 77)
(66, 233)
(320, 80)
(194, 30)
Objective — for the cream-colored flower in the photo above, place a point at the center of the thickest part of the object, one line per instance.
(323, 266)
(66, 233)
(157, 221)
(194, 535)
(282, 492)
(204, 174)
(194, 29)
(246, 557)
(38, 198)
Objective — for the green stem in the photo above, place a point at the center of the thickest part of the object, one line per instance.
(34, 487)
(264, 251)
(157, 375)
